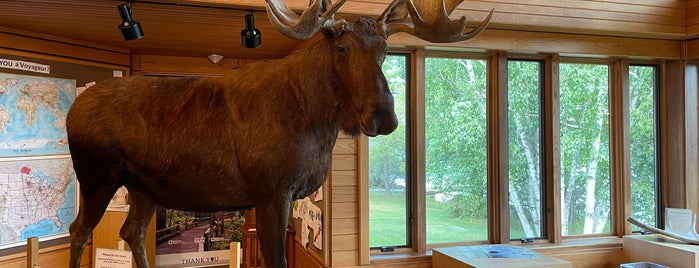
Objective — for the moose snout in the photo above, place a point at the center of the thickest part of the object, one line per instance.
(379, 122)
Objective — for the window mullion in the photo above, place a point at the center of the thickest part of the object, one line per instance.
(552, 147)
(498, 205)
(417, 152)
(619, 147)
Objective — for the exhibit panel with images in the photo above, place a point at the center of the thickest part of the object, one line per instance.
(195, 238)
(309, 221)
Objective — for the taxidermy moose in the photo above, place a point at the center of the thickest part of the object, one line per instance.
(261, 136)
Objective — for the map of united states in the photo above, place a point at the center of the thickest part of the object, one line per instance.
(37, 198)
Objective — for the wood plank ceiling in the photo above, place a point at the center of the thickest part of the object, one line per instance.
(175, 29)
(197, 28)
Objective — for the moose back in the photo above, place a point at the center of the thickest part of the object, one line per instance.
(261, 136)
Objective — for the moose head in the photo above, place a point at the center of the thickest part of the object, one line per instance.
(360, 47)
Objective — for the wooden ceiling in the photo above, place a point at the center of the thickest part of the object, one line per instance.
(197, 28)
(176, 28)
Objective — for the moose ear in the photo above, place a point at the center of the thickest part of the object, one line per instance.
(334, 28)
(396, 13)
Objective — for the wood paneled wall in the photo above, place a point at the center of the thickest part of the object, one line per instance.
(691, 49)
(692, 13)
(180, 66)
(344, 206)
(56, 256)
(52, 47)
(562, 43)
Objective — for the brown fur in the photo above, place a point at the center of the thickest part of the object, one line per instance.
(262, 136)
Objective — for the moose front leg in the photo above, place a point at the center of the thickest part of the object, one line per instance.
(272, 220)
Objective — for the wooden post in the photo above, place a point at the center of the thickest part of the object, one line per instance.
(235, 255)
(32, 252)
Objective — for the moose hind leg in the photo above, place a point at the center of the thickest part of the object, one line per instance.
(100, 175)
(133, 231)
(272, 219)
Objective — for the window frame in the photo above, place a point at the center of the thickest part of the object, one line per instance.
(408, 186)
(497, 146)
(542, 145)
(616, 116)
(657, 82)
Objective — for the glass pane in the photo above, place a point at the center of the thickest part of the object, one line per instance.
(584, 91)
(524, 143)
(455, 150)
(388, 180)
(643, 143)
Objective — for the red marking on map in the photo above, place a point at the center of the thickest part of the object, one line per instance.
(26, 170)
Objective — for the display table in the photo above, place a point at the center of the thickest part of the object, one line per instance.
(493, 256)
(660, 249)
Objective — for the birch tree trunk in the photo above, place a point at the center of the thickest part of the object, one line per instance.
(520, 211)
(591, 178)
(530, 225)
(568, 190)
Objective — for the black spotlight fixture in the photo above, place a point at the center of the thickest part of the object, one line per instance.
(250, 35)
(129, 28)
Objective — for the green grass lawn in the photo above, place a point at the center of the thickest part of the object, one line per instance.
(386, 219)
(387, 222)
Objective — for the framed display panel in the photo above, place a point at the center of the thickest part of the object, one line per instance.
(38, 188)
(310, 219)
(186, 239)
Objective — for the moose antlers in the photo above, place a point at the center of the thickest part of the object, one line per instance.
(430, 19)
(304, 26)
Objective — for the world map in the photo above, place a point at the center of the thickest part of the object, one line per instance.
(37, 198)
(33, 114)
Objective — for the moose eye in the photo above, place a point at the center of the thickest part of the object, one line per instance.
(341, 49)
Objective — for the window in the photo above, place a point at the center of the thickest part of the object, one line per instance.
(524, 86)
(559, 134)
(388, 169)
(643, 148)
(455, 150)
(584, 123)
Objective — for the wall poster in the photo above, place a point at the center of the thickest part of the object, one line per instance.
(38, 191)
(194, 239)
(37, 185)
